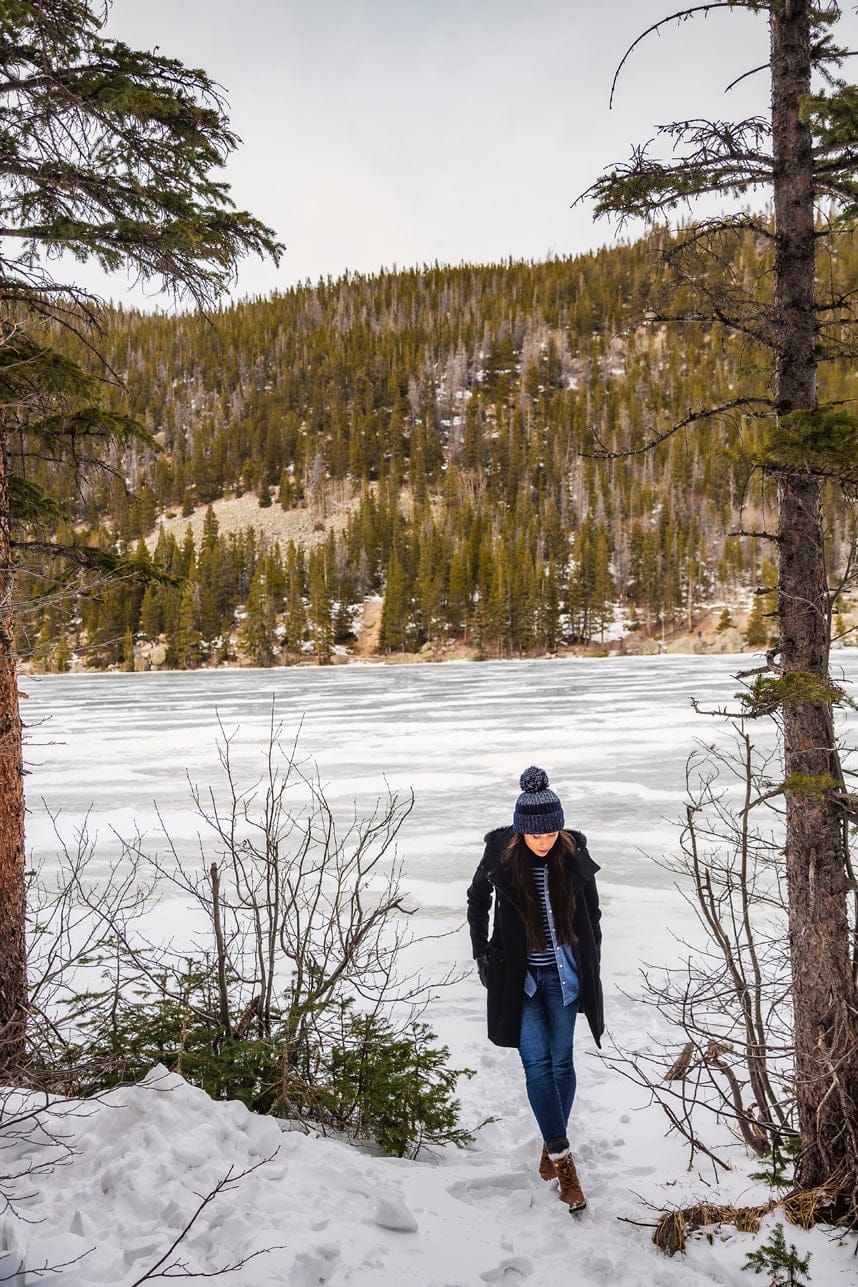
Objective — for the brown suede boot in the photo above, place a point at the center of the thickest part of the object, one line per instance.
(570, 1186)
(546, 1166)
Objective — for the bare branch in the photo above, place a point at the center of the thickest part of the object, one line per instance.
(681, 16)
(226, 1184)
(693, 417)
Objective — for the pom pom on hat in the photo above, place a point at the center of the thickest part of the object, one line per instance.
(538, 810)
(533, 779)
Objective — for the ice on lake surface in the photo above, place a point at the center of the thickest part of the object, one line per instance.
(613, 733)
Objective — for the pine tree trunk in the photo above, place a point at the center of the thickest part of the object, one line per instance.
(13, 977)
(826, 1021)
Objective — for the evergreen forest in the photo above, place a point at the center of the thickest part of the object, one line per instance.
(478, 432)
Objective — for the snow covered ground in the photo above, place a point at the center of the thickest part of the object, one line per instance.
(133, 1168)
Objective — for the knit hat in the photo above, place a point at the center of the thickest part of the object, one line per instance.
(537, 810)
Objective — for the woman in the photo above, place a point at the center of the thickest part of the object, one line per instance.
(541, 963)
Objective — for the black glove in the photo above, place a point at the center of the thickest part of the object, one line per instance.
(483, 970)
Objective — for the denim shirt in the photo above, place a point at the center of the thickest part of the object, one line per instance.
(567, 967)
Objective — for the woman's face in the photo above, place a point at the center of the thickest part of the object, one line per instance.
(540, 845)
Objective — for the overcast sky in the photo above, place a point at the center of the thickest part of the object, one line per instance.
(382, 132)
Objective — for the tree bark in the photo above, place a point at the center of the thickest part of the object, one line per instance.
(13, 975)
(825, 1019)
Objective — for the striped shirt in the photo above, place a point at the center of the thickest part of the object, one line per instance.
(540, 880)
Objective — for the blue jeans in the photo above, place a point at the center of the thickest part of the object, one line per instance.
(545, 1047)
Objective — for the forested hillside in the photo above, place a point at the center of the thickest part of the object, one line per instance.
(457, 411)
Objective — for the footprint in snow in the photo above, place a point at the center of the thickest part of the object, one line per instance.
(312, 1268)
(511, 1270)
(484, 1188)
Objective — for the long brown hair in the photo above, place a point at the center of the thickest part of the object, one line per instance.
(517, 857)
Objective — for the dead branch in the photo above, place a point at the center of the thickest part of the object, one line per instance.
(693, 417)
(177, 1268)
(681, 15)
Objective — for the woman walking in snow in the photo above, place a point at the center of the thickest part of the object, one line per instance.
(541, 963)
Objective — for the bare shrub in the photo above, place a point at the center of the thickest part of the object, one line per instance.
(295, 994)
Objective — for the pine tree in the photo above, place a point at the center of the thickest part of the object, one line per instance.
(549, 609)
(807, 152)
(430, 587)
(321, 627)
(128, 651)
(523, 599)
(109, 156)
(343, 623)
(458, 592)
(62, 656)
(472, 448)
(295, 619)
(258, 627)
(757, 630)
(651, 579)
(295, 622)
(285, 492)
(784, 1265)
(150, 612)
(418, 477)
(604, 590)
(186, 638)
(396, 609)
(499, 603)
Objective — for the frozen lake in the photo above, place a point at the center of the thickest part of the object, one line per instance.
(613, 734)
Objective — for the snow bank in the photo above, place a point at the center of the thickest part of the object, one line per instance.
(136, 1165)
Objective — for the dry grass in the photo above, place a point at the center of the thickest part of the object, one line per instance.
(804, 1208)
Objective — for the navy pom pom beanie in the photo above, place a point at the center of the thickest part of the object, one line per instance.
(538, 811)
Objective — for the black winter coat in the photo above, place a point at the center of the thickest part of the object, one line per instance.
(506, 949)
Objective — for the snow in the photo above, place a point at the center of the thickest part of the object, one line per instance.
(392, 1213)
(134, 1166)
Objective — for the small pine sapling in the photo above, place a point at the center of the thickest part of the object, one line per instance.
(777, 1166)
(784, 1265)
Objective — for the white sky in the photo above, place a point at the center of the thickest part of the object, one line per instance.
(382, 132)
